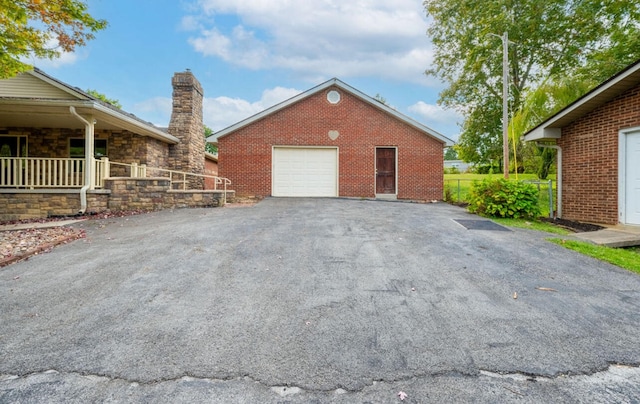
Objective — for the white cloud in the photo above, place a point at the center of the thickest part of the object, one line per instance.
(435, 113)
(156, 110)
(443, 120)
(325, 38)
(65, 58)
(218, 112)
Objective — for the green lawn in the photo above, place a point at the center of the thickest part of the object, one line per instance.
(456, 189)
(628, 258)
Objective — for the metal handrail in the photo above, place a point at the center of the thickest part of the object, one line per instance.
(44, 172)
(142, 170)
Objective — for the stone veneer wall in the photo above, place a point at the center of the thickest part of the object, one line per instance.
(186, 124)
(155, 194)
(119, 194)
(16, 206)
(122, 146)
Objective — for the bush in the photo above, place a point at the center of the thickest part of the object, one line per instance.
(485, 169)
(451, 170)
(503, 198)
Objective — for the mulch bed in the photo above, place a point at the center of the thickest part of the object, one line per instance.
(18, 245)
(577, 227)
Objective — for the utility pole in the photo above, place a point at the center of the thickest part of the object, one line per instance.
(505, 104)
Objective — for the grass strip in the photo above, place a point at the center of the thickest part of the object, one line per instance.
(531, 225)
(622, 257)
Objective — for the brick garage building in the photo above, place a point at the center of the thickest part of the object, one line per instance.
(332, 140)
(598, 137)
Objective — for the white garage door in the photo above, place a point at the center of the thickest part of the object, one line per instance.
(305, 171)
(632, 186)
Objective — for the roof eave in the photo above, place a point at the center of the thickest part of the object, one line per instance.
(604, 92)
(102, 112)
(327, 84)
(135, 125)
(543, 134)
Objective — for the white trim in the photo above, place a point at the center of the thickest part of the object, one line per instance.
(336, 148)
(100, 112)
(622, 172)
(614, 86)
(375, 175)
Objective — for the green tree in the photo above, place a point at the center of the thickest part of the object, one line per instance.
(380, 99)
(546, 100)
(28, 26)
(551, 38)
(450, 154)
(209, 148)
(104, 98)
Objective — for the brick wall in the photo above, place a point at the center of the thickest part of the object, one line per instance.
(245, 156)
(210, 168)
(590, 160)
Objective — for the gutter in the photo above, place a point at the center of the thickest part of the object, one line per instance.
(116, 117)
(88, 157)
(559, 175)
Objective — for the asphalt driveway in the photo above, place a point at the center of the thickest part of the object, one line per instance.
(316, 300)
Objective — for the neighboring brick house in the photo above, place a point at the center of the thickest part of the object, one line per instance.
(332, 140)
(598, 137)
(53, 138)
(210, 168)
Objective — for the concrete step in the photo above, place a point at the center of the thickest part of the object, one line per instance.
(612, 237)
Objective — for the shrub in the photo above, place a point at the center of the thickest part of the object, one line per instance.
(485, 169)
(451, 170)
(503, 198)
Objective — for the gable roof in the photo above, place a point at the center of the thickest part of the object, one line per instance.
(321, 87)
(605, 92)
(36, 99)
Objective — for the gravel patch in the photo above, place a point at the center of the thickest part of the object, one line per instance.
(16, 245)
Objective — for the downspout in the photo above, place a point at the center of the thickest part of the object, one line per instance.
(88, 159)
(559, 175)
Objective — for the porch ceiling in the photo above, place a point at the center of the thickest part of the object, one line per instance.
(55, 114)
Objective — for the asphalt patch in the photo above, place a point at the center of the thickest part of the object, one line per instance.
(480, 225)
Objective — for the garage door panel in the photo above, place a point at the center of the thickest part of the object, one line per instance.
(632, 191)
(305, 171)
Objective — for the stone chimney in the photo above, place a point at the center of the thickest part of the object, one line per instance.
(186, 125)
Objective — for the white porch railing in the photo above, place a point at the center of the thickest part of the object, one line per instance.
(28, 172)
(31, 173)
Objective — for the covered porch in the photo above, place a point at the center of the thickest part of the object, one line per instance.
(64, 152)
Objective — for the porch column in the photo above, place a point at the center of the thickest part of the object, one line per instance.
(89, 131)
(90, 167)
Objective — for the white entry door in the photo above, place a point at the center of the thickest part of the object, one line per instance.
(305, 171)
(632, 180)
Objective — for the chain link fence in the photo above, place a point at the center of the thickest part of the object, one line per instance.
(457, 191)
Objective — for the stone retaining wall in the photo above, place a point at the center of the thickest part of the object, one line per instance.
(17, 206)
(118, 194)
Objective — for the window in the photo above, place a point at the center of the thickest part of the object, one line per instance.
(13, 146)
(76, 148)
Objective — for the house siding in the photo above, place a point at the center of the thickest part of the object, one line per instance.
(590, 160)
(27, 86)
(245, 155)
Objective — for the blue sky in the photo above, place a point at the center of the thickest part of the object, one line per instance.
(251, 54)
